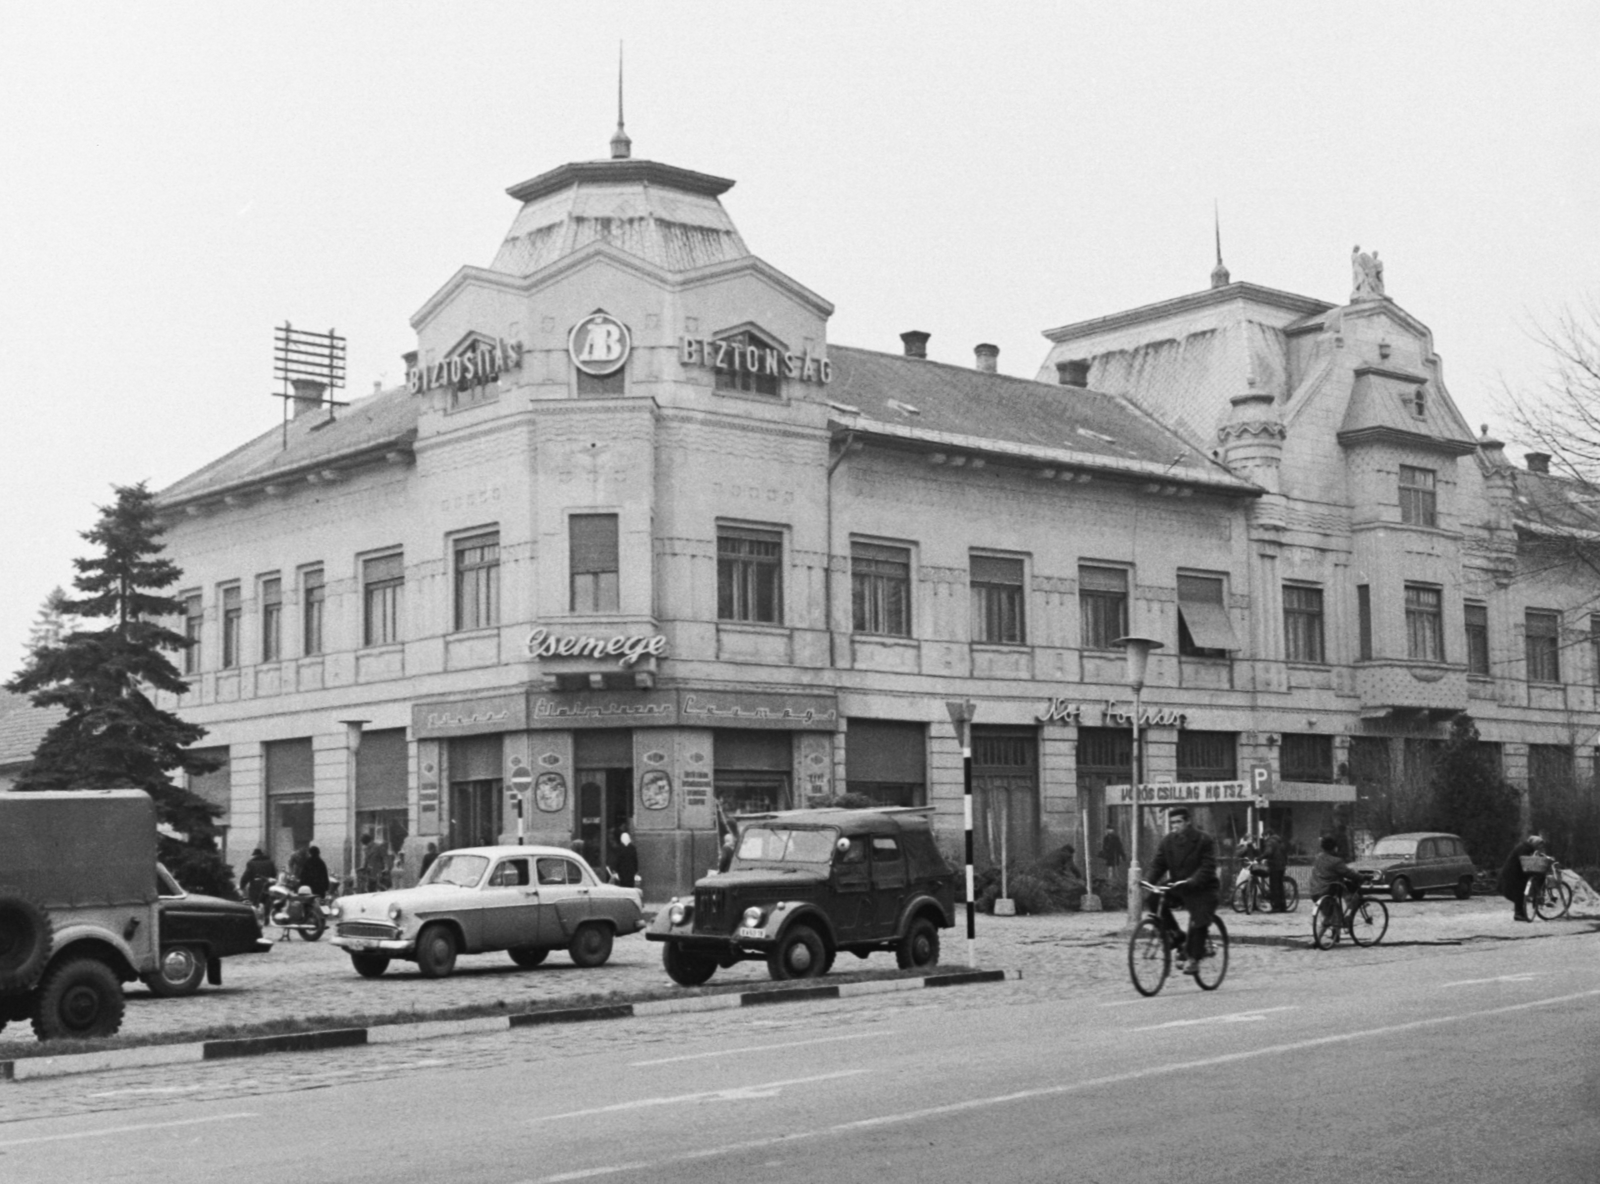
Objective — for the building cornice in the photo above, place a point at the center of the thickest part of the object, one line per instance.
(1165, 309)
(1380, 434)
(620, 172)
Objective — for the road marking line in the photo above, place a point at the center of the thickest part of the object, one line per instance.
(737, 1093)
(145, 1089)
(1054, 1090)
(1504, 978)
(123, 1130)
(1236, 1017)
(727, 1052)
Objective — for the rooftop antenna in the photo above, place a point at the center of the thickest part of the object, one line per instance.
(621, 146)
(1219, 273)
(309, 367)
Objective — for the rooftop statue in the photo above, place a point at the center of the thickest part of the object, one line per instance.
(1366, 275)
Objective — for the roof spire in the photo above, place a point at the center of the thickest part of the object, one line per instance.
(621, 146)
(1219, 273)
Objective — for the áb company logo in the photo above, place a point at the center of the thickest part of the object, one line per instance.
(599, 344)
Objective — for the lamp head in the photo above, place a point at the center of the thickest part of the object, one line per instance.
(1138, 650)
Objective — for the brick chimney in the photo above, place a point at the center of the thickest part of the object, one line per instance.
(308, 394)
(1538, 462)
(987, 357)
(1072, 373)
(916, 343)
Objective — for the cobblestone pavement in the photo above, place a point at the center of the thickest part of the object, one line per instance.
(1071, 952)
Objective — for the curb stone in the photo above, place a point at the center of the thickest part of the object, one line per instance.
(34, 1068)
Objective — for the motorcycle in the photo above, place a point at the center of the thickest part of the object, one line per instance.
(298, 909)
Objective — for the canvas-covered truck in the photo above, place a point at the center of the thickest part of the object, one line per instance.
(78, 907)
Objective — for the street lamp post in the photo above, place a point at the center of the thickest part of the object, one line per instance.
(1138, 651)
(961, 713)
(352, 746)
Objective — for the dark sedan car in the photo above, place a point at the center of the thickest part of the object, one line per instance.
(1412, 864)
(197, 932)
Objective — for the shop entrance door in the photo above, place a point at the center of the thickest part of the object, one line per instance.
(474, 813)
(605, 800)
(1005, 796)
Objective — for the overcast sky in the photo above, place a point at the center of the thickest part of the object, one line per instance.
(179, 179)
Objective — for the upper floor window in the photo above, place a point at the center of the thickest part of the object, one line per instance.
(383, 582)
(1419, 402)
(1418, 504)
(880, 589)
(1102, 605)
(477, 587)
(193, 619)
(1364, 622)
(1204, 630)
(1306, 756)
(1544, 646)
(313, 592)
(232, 621)
(1208, 756)
(749, 575)
(1302, 623)
(1477, 618)
(998, 600)
(271, 619)
(745, 362)
(1424, 623)
(592, 552)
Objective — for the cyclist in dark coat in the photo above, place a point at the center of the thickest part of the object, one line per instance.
(1513, 882)
(1188, 856)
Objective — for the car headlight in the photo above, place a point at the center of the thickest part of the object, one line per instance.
(678, 913)
(396, 912)
(752, 917)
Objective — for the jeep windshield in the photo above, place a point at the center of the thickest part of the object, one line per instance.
(778, 844)
(461, 870)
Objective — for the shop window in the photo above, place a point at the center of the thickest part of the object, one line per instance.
(216, 788)
(1102, 605)
(886, 760)
(313, 594)
(1208, 756)
(880, 589)
(1204, 630)
(271, 619)
(1477, 620)
(1364, 622)
(1302, 623)
(232, 623)
(749, 575)
(749, 364)
(998, 599)
(753, 770)
(477, 588)
(193, 620)
(383, 581)
(592, 562)
(1306, 756)
(1424, 623)
(1544, 646)
(1418, 504)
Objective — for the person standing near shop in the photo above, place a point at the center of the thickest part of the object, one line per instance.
(1112, 853)
(1276, 853)
(428, 857)
(627, 861)
(314, 872)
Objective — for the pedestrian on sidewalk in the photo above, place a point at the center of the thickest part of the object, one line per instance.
(1513, 883)
(1276, 853)
(1112, 853)
(627, 868)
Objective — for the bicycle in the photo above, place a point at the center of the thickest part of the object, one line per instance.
(1554, 899)
(1252, 891)
(1158, 934)
(1347, 907)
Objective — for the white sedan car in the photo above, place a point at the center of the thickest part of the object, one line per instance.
(525, 900)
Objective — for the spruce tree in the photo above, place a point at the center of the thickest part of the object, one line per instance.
(1470, 797)
(113, 735)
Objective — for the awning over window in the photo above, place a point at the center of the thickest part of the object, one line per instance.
(1200, 602)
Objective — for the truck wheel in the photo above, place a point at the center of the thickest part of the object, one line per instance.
(436, 952)
(181, 970)
(78, 999)
(25, 934)
(919, 947)
(591, 945)
(685, 968)
(369, 965)
(798, 954)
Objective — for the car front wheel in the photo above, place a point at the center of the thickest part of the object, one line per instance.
(798, 954)
(590, 946)
(686, 968)
(181, 971)
(1400, 890)
(436, 952)
(919, 947)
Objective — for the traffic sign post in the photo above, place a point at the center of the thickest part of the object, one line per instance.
(521, 783)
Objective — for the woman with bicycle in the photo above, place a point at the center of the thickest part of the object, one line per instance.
(1189, 856)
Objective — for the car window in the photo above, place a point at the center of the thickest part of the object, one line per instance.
(511, 873)
(463, 871)
(1427, 849)
(1394, 849)
(555, 870)
(855, 850)
(885, 848)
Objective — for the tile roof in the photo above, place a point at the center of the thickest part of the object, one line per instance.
(22, 726)
(1546, 504)
(386, 419)
(1384, 400)
(918, 399)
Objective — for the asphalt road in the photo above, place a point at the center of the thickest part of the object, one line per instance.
(1476, 1063)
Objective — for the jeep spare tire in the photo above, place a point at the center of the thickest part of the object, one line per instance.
(25, 934)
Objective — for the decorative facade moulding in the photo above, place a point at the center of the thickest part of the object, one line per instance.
(1252, 427)
(535, 709)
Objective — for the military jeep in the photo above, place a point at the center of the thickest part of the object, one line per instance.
(78, 907)
(807, 884)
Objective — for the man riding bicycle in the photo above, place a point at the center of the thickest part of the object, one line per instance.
(1329, 873)
(1189, 857)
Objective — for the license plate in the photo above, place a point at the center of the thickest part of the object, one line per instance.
(351, 943)
(755, 933)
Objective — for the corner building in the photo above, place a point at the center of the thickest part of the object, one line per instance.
(635, 541)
